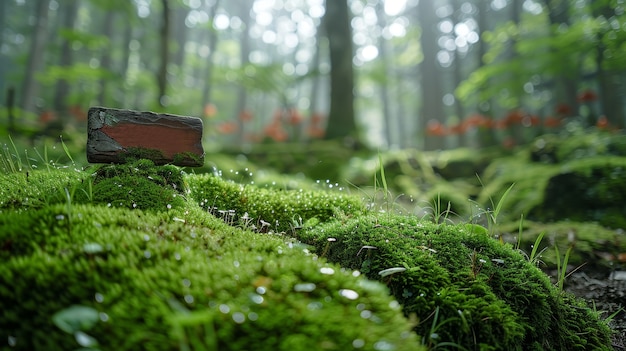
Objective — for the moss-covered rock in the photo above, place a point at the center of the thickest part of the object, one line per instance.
(171, 280)
(461, 286)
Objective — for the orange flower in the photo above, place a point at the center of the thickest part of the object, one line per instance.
(227, 128)
(245, 116)
(315, 132)
(552, 122)
(210, 110)
(78, 113)
(47, 116)
(458, 129)
(316, 118)
(514, 117)
(477, 120)
(563, 110)
(276, 132)
(435, 128)
(294, 117)
(603, 122)
(587, 96)
(531, 120)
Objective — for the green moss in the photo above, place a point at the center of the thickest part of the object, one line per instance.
(485, 295)
(133, 154)
(140, 185)
(592, 244)
(158, 283)
(281, 210)
(185, 158)
(36, 189)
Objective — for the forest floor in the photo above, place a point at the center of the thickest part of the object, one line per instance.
(607, 292)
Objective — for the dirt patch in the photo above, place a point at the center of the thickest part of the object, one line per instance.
(606, 290)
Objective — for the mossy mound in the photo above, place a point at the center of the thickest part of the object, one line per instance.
(593, 245)
(588, 189)
(138, 185)
(462, 287)
(93, 276)
(414, 183)
(269, 209)
(36, 189)
(141, 274)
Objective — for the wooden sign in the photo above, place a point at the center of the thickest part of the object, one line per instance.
(115, 136)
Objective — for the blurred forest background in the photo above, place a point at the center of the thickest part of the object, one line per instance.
(386, 74)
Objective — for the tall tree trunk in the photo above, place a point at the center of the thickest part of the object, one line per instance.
(610, 86)
(432, 105)
(486, 136)
(565, 89)
(392, 141)
(128, 37)
(3, 59)
(62, 89)
(208, 66)
(30, 89)
(165, 50)
(244, 47)
(105, 60)
(180, 32)
(341, 119)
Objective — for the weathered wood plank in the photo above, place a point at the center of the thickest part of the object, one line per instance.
(116, 135)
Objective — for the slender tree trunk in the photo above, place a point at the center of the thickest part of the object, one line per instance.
(486, 136)
(105, 60)
(30, 89)
(165, 50)
(392, 141)
(341, 119)
(62, 89)
(208, 67)
(565, 90)
(432, 105)
(181, 36)
(3, 59)
(244, 44)
(123, 65)
(610, 86)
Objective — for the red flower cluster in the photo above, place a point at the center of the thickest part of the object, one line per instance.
(515, 117)
(284, 125)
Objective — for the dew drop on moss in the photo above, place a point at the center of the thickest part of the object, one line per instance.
(349, 294)
(313, 306)
(99, 298)
(327, 270)
(261, 290)
(103, 317)
(253, 316)
(188, 299)
(177, 256)
(257, 299)
(186, 282)
(224, 308)
(239, 317)
(383, 346)
(304, 287)
(358, 343)
(147, 254)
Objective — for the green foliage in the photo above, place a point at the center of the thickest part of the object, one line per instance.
(485, 295)
(160, 284)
